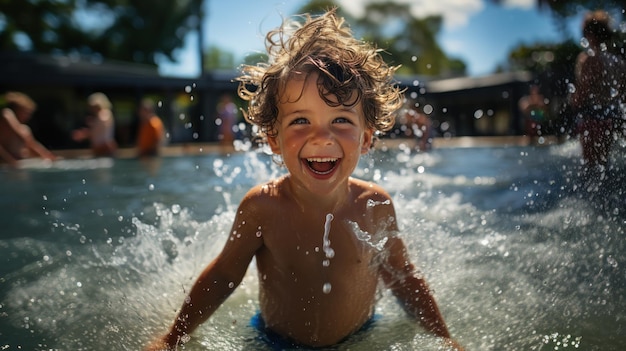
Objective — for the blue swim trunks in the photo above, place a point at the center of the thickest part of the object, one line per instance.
(279, 343)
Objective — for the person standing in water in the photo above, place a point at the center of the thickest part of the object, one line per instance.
(535, 111)
(100, 129)
(227, 116)
(16, 139)
(599, 90)
(151, 133)
(321, 239)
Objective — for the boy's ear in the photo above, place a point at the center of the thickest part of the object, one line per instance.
(366, 143)
(272, 141)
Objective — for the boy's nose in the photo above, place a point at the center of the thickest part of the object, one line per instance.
(322, 136)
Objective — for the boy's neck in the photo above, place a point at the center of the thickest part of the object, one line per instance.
(327, 203)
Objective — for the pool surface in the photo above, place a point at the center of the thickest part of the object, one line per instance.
(522, 251)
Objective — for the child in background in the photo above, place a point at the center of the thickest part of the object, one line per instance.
(16, 139)
(100, 129)
(151, 133)
(321, 239)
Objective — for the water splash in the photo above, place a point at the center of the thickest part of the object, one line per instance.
(328, 251)
(377, 243)
(72, 283)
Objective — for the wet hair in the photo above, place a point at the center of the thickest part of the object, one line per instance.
(16, 100)
(349, 71)
(596, 25)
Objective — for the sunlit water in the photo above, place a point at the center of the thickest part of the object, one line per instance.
(522, 254)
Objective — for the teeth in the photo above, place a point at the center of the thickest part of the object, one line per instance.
(322, 159)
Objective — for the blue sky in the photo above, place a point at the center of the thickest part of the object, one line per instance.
(475, 31)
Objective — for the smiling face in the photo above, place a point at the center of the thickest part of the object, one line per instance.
(320, 144)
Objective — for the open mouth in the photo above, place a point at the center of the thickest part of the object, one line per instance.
(322, 166)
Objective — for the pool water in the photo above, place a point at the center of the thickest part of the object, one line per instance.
(522, 251)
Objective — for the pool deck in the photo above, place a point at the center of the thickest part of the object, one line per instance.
(209, 148)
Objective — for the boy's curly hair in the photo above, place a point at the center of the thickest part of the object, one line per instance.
(345, 66)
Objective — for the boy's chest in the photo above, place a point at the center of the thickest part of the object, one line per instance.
(307, 244)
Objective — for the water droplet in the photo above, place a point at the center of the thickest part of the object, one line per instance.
(584, 42)
(612, 261)
(571, 88)
(259, 234)
(151, 187)
(326, 288)
(428, 109)
(330, 253)
(175, 208)
(231, 285)
(326, 263)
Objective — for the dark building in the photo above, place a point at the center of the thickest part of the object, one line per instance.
(467, 106)
(472, 106)
(60, 86)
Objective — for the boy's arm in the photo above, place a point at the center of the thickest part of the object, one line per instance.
(218, 280)
(397, 271)
(412, 291)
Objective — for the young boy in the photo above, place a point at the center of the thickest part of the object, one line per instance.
(321, 239)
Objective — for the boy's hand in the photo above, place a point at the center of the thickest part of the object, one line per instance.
(158, 345)
(452, 345)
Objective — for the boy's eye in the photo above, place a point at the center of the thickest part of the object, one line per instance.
(299, 120)
(341, 120)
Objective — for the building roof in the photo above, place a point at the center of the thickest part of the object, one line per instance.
(20, 69)
(466, 83)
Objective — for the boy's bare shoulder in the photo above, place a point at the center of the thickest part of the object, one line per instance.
(376, 203)
(265, 194)
(369, 190)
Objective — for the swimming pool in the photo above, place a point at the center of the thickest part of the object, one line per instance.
(522, 253)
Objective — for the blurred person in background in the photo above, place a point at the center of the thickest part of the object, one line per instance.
(16, 139)
(599, 89)
(100, 127)
(151, 133)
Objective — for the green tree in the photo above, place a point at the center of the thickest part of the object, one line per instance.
(128, 30)
(318, 7)
(554, 62)
(255, 58)
(216, 58)
(566, 9)
(413, 44)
